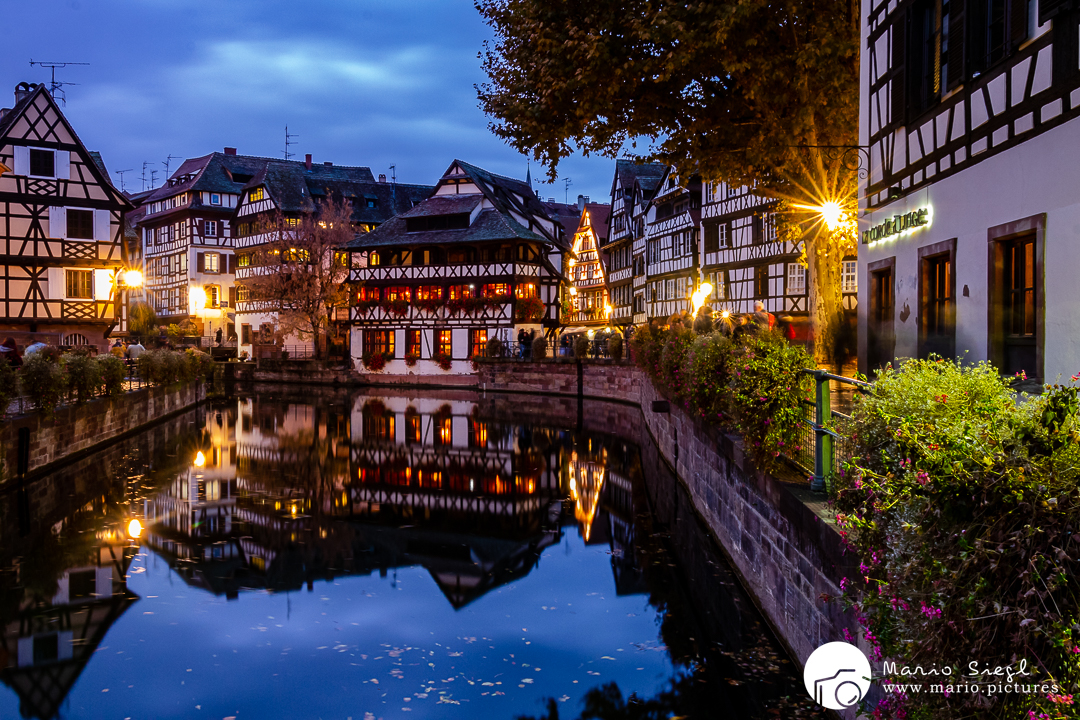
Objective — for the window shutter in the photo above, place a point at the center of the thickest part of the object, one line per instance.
(62, 164)
(58, 222)
(232, 297)
(957, 71)
(200, 262)
(102, 225)
(897, 84)
(1017, 22)
(22, 160)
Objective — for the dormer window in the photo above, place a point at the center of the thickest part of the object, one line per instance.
(256, 195)
(215, 199)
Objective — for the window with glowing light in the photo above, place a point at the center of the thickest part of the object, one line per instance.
(478, 342)
(412, 342)
(461, 292)
(444, 342)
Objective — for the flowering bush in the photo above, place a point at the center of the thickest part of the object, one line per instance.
(411, 359)
(963, 507)
(530, 309)
(443, 360)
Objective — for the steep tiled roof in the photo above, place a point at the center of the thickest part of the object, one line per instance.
(627, 172)
(445, 205)
(221, 173)
(598, 215)
(490, 225)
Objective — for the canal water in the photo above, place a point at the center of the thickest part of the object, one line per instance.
(357, 555)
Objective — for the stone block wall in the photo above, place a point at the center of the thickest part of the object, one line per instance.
(74, 430)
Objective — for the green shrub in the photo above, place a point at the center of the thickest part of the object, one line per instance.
(494, 348)
(113, 372)
(646, 344)
(43, 381)
(706, 370)
(677, 342)
(962, 506)
(581, 347)
(539, 348)
(9, 385)
(200, 363)
(615, 347)
(83, 377)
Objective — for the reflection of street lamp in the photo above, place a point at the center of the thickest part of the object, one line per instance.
(134, 528)
(200, 459)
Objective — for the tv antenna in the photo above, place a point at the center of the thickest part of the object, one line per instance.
(153, 179)
(166, 163)
(144, 166)
(289, 142)
(393, 189)
(567, 182)
(121, 174)
(56, 89)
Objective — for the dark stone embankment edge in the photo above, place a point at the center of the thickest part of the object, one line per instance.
(76, 431)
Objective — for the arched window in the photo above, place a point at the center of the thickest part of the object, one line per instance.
(75, 339)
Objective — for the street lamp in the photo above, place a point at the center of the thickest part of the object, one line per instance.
(698, 298)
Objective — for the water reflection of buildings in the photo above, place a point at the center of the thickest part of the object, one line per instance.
(283, 494)
(47, 641)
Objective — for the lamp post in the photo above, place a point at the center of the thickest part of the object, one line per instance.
(125, 281)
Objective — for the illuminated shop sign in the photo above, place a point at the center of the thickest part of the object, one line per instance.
(897, 225)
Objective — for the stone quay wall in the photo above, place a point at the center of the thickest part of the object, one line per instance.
(75, 430)
(778, 535)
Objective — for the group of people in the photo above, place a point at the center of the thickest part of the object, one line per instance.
(127, 350)
(10, 351)
(525, 342)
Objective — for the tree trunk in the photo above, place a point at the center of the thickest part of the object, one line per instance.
(826, 305)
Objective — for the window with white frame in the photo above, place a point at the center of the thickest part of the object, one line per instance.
(210, 228)
(212, 263)
(796, 279)
(849, 281)
(215, 199)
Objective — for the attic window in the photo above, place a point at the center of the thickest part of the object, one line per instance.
(241, 178)
(215, 199)
(255, 195)
(458, 221)
(42, 163)
(371, 202)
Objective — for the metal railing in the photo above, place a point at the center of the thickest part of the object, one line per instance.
(512, 349)
(824, 443)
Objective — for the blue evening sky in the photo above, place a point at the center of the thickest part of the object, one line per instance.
(361, 82)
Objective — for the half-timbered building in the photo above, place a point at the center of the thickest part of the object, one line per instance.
(188, 237)
(284, 191)
(671, 241)
(589, 302)
(968, 225)
(61, 228)
(624, 251)
(481, 258)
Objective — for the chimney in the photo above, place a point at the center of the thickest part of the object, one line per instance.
(230, 151)
(581, 200)
(327, 163)
(23, 91)
(307, 161)
(382, 177)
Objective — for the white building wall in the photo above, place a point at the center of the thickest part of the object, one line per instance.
(1039, 176)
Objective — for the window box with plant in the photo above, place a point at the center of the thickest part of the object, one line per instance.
(443, 360)
(530, 309)
(412, 358)
(396, 308)
(376, 361)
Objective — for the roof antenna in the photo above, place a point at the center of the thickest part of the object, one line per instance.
(153, 179)
(168, 160)
(567, 182)
(289, 142)
(145, 163)
(56, 88)
(121, 174)
(393, 189)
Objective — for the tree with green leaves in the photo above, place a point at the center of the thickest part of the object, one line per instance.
(751, 93)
